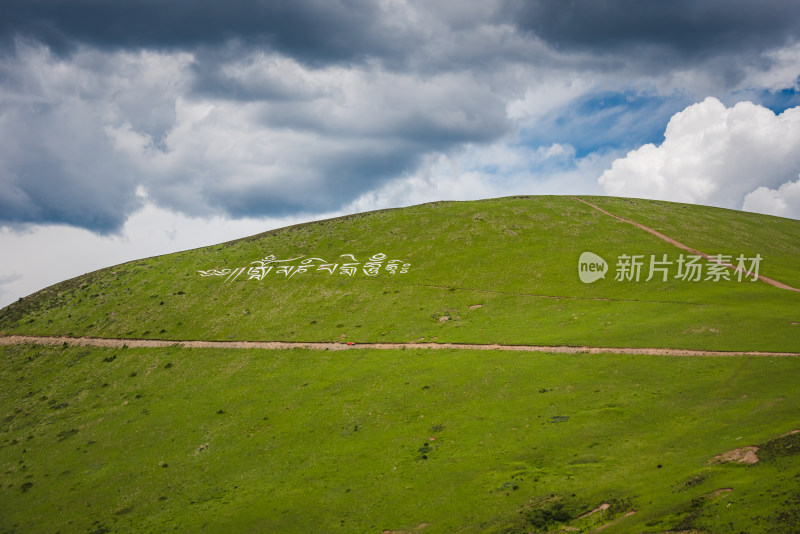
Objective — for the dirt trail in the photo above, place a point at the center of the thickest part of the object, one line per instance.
(282, 345)
(680, 245)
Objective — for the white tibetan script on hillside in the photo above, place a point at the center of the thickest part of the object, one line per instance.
(349, 266)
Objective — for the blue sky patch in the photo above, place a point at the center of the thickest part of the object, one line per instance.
(607, 121)
(780, 101)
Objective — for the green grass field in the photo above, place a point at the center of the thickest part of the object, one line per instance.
(230, 440)
(141, 440)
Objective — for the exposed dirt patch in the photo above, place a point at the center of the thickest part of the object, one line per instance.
(720, 492)
(476, 306)
(603, 507)
(742, 455)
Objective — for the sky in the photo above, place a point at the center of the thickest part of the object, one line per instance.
(132, 129)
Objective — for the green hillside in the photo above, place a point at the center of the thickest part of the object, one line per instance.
(516, 258)
(171, 439)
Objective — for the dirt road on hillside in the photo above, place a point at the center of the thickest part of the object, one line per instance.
(283, 345)
(680, 245)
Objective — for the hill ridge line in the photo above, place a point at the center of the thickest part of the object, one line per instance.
(671, 241)
(330, 345)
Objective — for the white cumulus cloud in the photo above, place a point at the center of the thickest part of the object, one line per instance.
(784, 201)
(737, 157)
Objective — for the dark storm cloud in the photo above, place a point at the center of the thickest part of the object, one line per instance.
(345, 177)
(104, 118)
(265, 107)
(80, 135)
(323, 31)
(684, 29)
(58, 167)
(312, 30)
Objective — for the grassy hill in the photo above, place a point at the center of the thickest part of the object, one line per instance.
(162, 439)
(516, 257)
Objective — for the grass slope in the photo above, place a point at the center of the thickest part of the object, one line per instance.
(718, 230)
(516, 257)
(155, 440)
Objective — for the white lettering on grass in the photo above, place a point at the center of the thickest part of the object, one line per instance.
(345, 265)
